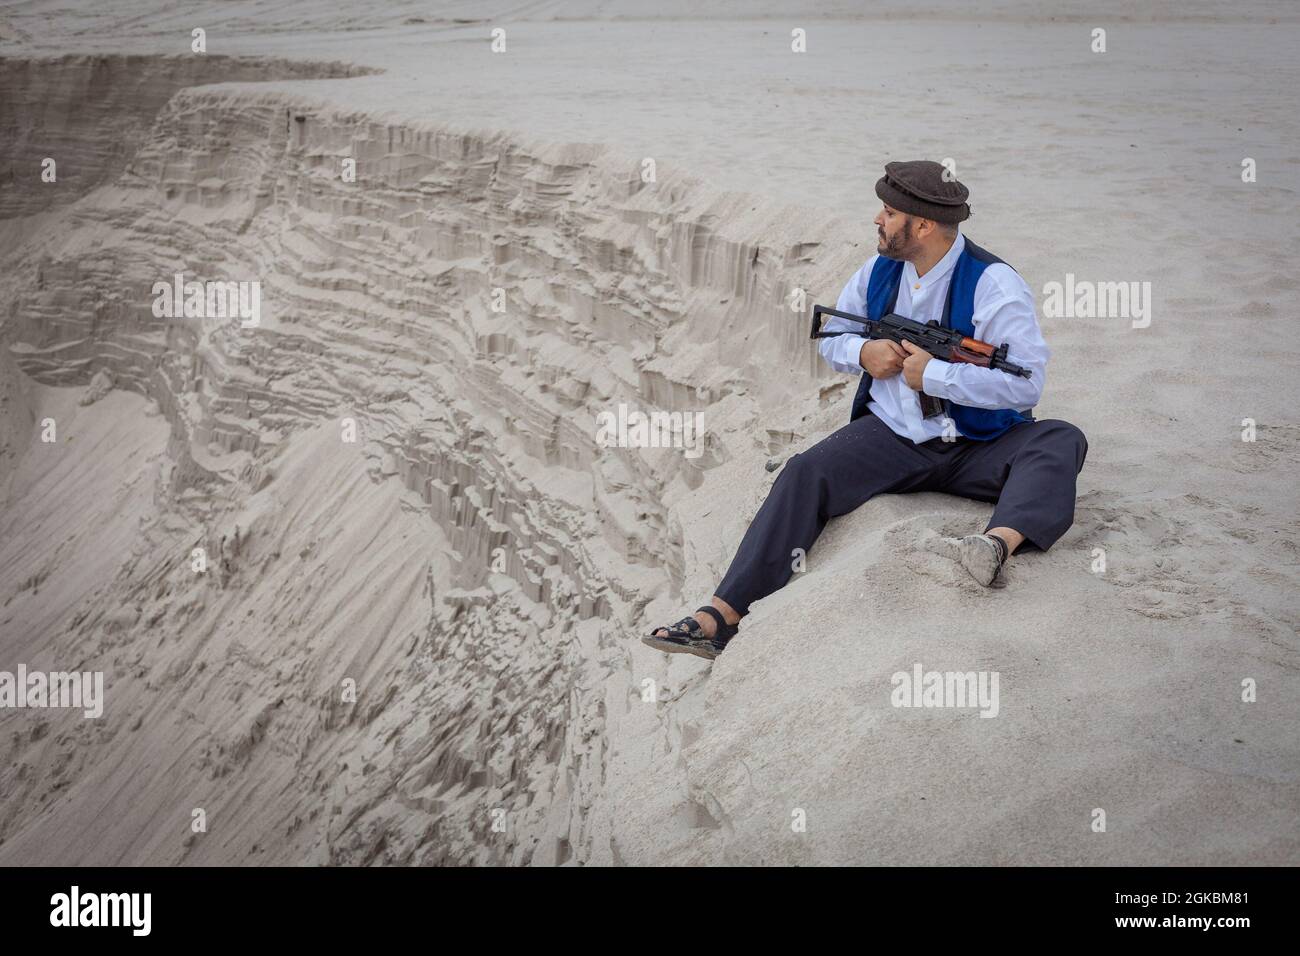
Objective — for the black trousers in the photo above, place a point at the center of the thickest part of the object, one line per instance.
(1029, 471)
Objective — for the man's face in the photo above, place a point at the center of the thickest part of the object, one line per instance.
(895, 234)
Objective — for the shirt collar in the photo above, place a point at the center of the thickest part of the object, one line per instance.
(941, 268)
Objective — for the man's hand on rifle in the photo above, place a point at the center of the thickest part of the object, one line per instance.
(914, 365)
(881, 358)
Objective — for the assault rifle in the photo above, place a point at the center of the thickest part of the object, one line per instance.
(946, 344)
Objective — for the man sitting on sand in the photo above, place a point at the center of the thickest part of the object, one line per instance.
(917, 423)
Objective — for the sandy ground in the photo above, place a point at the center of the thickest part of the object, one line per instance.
(477, 568)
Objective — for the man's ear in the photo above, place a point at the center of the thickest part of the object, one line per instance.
(925, 227)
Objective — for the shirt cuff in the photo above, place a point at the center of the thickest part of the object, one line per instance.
(934, 380)
(851, 350)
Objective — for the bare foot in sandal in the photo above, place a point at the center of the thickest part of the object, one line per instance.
(704, 634)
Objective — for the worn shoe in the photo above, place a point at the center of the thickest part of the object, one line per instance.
(983, 555)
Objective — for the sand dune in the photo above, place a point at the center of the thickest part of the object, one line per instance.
(479, 567)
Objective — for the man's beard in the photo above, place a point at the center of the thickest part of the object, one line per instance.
(899, 245)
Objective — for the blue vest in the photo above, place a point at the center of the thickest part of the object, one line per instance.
(981, 424)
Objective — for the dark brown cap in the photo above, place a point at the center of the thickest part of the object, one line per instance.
(919, 189)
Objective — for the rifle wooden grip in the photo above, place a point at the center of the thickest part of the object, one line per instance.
(978, 347)
(960, 353)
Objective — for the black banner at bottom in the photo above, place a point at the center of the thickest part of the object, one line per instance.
(335, 906)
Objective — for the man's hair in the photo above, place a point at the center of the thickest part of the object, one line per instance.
(948, 229)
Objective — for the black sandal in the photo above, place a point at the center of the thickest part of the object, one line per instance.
(687, 637)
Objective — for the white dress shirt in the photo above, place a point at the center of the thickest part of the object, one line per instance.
(1004, 312)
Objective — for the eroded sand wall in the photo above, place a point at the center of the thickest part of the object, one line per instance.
(91, 113)
(377, 307)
